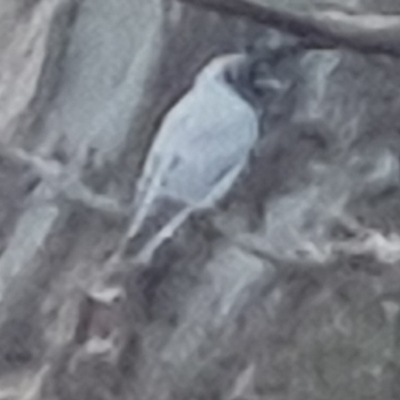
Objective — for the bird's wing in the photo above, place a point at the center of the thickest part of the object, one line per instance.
(159, 159)
(202, 138)
(219, 136)
(212, 190)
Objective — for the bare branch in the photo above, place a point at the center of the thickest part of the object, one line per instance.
(367, 32)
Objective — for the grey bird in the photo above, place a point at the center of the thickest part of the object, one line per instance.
(201, 148)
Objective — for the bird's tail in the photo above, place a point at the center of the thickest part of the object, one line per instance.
(143, 205)
(141, 213)
(148, 189)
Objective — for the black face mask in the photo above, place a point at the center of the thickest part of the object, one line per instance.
(229, 77)
(260, 70)
(241, 80)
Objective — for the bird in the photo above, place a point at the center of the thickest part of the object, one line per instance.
(202, 146)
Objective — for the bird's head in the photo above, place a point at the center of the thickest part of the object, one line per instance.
(223, 69)
(253, 77)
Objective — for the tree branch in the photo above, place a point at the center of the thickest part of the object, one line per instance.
(366, 32)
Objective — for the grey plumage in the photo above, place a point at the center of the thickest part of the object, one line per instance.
(202, 146)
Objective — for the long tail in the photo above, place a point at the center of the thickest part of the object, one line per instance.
(145, 197)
